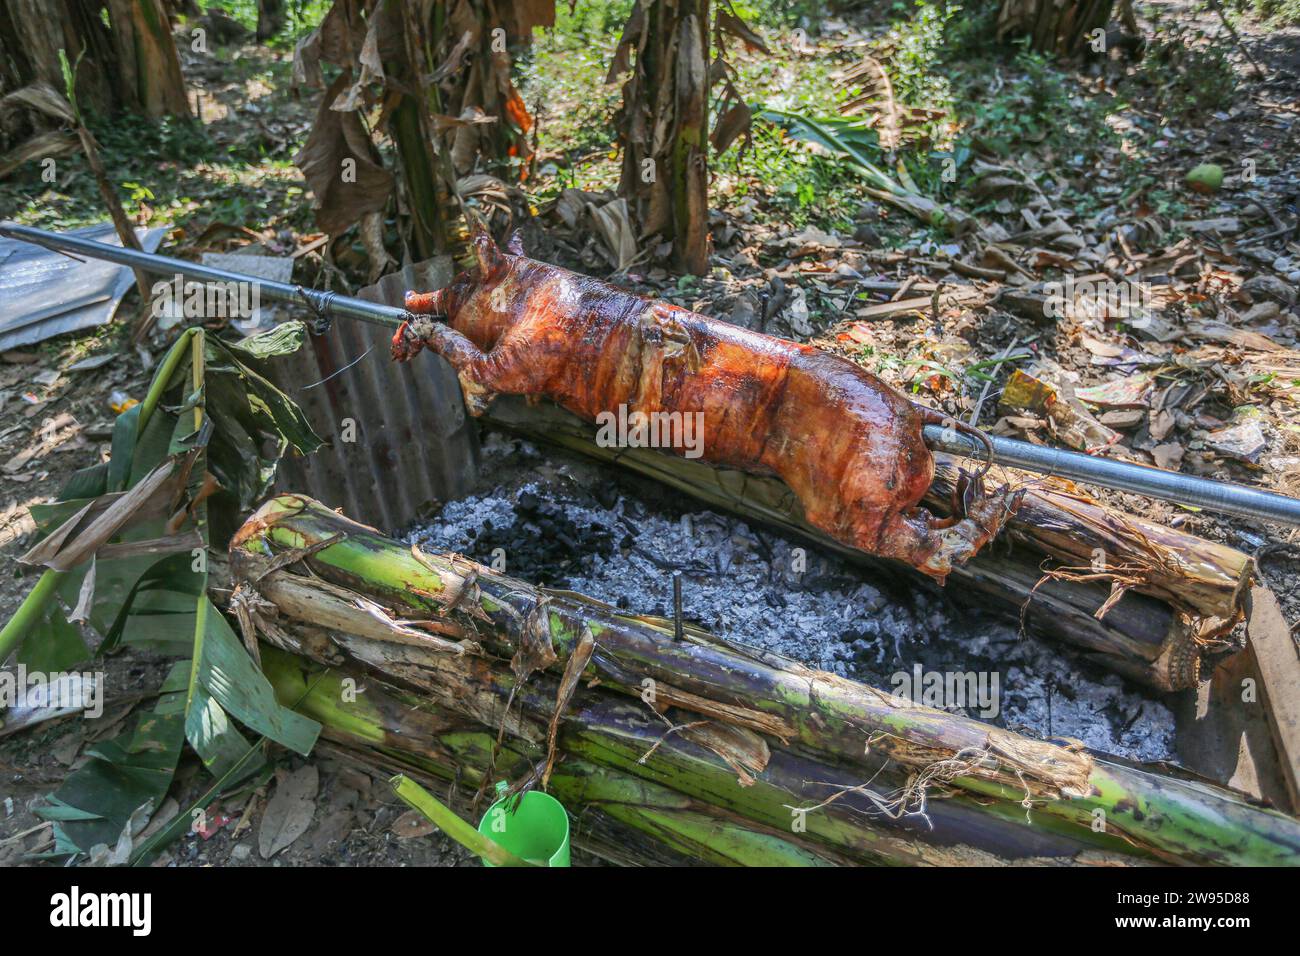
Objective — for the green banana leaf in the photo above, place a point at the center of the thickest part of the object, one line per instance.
(853, 141)
(205, 420)
(131, 771)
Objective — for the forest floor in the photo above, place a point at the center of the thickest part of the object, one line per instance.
(1081, 170)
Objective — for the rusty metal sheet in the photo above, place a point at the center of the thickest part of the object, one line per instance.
(1230, 741)
(412, 447)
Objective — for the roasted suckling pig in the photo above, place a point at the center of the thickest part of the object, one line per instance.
(848, 445)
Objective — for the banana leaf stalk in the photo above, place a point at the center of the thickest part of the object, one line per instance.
(843, 137)
(427, 805)
(447, 626)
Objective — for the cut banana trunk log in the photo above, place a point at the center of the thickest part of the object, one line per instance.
(499, 654)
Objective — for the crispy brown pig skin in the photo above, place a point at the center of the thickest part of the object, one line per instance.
(848, 445)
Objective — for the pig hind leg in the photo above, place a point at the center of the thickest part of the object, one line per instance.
(934, 545)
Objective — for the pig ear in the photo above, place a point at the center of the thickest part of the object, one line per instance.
(515, 244)
(488, 255)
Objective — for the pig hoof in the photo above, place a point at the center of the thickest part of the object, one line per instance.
(477, 396)
(982, 520)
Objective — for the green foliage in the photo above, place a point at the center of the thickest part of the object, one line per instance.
(789, 80)
(567, 65)
(781, 14)
(198, 421)
(927, 170)
(973, 33)
(69, 78)
(1279, 11)
(55, 645)
(245, 11)
(579, 25)
(172, 171)
(166, 139)
(918, 45)
(99, 800)
(1038, 104)
(224, 682)
(797, 185)
(302, 16)
(1187, 70)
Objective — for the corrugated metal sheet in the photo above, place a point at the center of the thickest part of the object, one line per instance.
(44, 293)
(414, 446)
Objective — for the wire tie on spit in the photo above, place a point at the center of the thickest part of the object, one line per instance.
(319, 303)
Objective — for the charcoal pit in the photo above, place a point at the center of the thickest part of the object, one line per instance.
(564, 522)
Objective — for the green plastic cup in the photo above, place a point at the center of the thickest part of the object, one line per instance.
(537, 829)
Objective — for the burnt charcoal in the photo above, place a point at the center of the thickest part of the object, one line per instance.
(739, 582)
(864, 651)
(606, 494)
(542, 543)
(822, 583)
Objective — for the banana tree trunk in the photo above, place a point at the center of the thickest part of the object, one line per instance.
(147, 57)
(449, 106)
(1054, 26)
(664, 126)
(688, 714)
(271, 18)
(1195, 575)
(615, 815)
(125, 55)
(449, 726)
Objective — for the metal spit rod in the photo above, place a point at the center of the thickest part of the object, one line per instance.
(1220, 496)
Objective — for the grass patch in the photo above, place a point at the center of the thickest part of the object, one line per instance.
(562, 78)
(1035, 105)
(1278, 11)
(173, 172)
(1185, 72)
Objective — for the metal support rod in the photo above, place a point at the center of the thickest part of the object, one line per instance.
(327, 302)
(1224, 497)
(677, 606)
(1220, 496)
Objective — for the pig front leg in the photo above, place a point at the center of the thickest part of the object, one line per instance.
(465, 357)
(483, 375)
